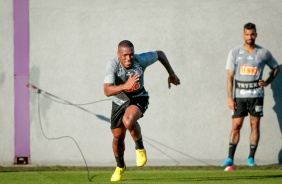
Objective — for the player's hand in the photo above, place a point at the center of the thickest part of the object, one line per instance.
(131, 81)
(232, 104)
(173, 79)
(262, 83)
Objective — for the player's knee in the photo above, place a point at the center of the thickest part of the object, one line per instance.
(255, 125)
(128, 123)
(236, 129)
(255, 129)
(118, 141)
(119, 136)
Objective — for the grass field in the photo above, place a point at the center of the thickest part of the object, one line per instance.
(162, 175)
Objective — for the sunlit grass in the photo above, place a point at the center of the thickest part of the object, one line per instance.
(163, 175)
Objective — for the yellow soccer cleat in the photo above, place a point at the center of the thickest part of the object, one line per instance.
(117, 176)
(141, 157)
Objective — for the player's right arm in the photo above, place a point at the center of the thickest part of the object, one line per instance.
(230, 79)
(110, 89)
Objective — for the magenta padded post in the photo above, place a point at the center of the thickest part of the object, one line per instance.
(21, 80)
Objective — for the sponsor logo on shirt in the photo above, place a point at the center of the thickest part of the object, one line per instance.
(250, 58)
(134, 87)
(245, 69)
(247, 85)
(255, 92)
(248, 91)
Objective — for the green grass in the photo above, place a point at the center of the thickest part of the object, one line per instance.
(162, 175)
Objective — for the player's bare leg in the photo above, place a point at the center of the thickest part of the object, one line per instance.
(255, 126)
(234, 139)
(254, 138)
(118, 140)
(130, 117)
(237, 124)
(118, 149)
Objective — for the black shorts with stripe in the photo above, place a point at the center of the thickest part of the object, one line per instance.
(118, 110)
(253, 106)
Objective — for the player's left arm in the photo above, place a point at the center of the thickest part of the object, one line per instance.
(272, 76)
(172, 78)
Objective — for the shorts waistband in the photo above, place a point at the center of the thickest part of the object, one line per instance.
(246, 85)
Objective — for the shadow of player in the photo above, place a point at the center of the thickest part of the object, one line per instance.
(276, 87)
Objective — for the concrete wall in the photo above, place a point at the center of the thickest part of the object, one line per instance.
(70, 42)
(6, 83)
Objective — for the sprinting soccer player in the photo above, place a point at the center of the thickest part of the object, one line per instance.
(124, 81)
(245, 66)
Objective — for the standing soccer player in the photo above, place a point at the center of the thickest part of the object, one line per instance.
(244, 67)
(124, 81)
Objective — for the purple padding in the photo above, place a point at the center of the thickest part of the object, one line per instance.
(21, 72)
(22, 126)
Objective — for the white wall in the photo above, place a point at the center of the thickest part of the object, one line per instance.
(70, 42)
(6, 83)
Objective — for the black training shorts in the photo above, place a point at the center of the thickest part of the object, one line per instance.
(254, 106)
(118, 110)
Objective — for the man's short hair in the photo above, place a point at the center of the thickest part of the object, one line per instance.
(250, 26)
(125, 43)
